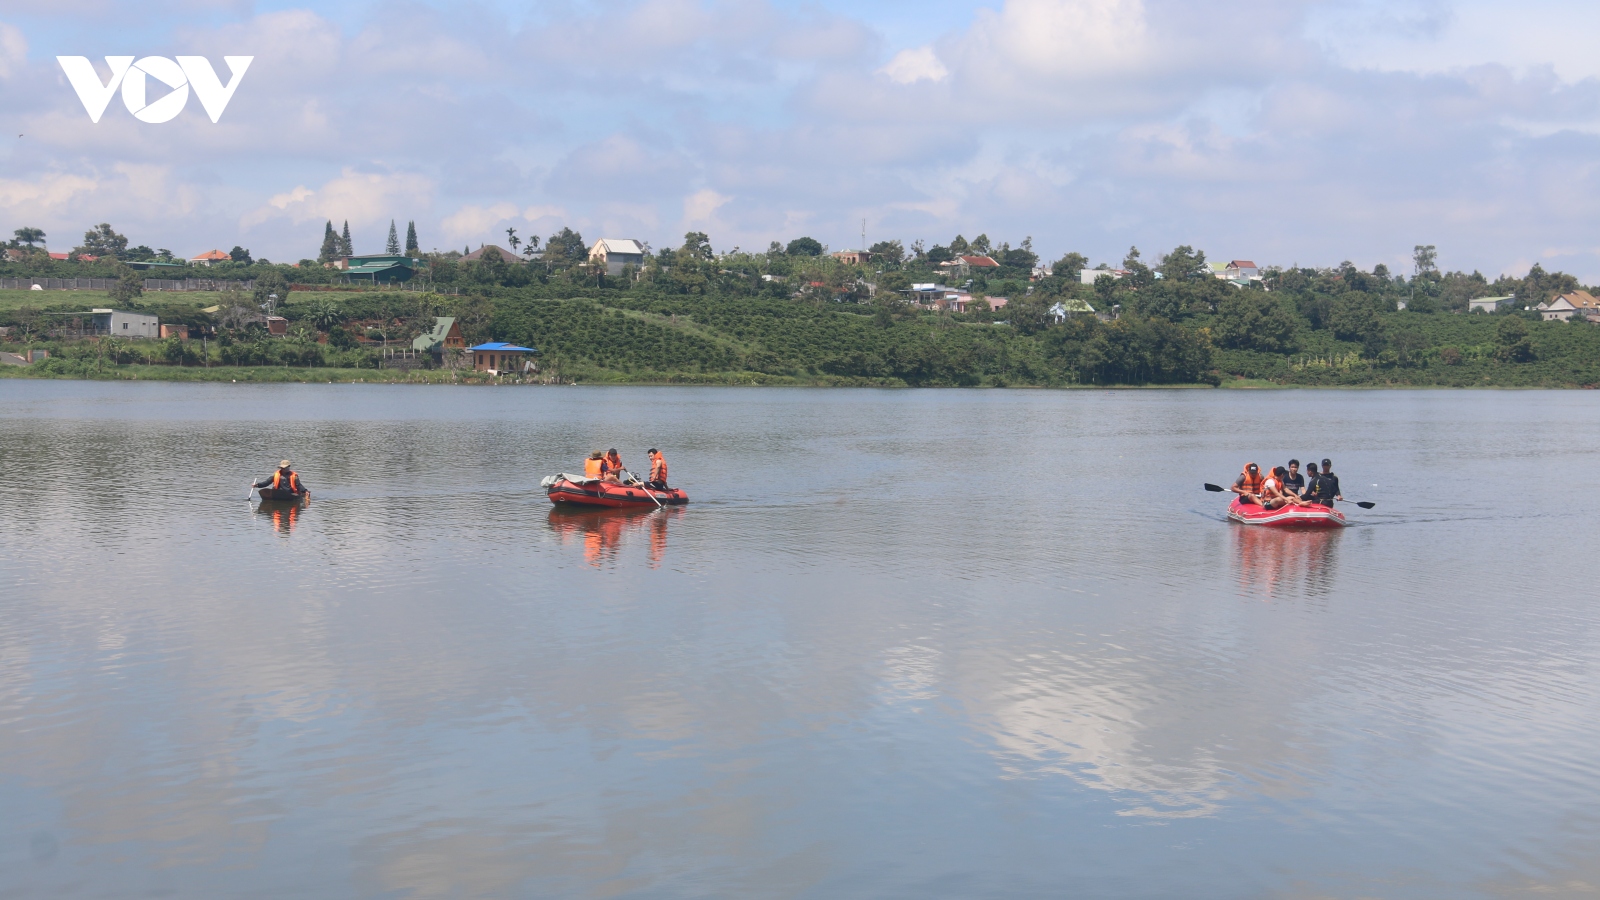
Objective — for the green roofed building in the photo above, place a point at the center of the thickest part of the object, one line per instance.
(381, 269)
(446, 335)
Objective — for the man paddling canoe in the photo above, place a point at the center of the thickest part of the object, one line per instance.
(284, 479)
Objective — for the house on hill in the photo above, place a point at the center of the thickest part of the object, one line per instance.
(445, 335)
(381, 269)
(1489, 304)
(505, 254)
(209, 257)
(853, 257)
(615, 253)
(962, 266)
(1569, 306)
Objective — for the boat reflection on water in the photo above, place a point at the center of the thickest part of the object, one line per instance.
(283, 513)
(1285, 561)
(602, 530)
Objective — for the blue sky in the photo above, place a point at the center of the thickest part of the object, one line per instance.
(1284, 131)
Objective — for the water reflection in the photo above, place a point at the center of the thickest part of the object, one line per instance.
(603, 531)
(1285, 562)
(283, 513)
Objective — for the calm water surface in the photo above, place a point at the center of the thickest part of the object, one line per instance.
(902, 644)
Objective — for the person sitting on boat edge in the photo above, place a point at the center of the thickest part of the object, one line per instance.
(614, 463)
(1248, 485)
(596, 466)
(658, 471)
(1294, 482)
(1311, 482)
(1274, 494)
(284, 479)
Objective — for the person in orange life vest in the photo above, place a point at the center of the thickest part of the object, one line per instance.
(1275, 491)
(595, 466)
(1248, 485)
(658, 471)
(614, 462)
(285, 479)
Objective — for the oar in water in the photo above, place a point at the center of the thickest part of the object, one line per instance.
(646, 488)
(1364, 504)
(249, 491)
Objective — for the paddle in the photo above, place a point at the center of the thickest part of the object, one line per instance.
(250, 491)
(1364, 504)
(647, 492)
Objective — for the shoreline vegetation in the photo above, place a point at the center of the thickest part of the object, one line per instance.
(797, 316)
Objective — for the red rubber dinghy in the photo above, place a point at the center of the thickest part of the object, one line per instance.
(1286, 516)
(580, 491)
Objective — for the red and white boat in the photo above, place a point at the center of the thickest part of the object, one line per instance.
(580, 491)
(1287, 516)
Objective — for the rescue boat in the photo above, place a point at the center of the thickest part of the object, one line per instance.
(281, 495)
(1287, 516)
(581, 491)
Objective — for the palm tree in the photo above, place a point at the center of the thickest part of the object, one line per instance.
(29, 236)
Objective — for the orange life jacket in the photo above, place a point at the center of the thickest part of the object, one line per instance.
(658, 469)
(294, 481)
(1251, 484)
(614, 461)
(594, 468)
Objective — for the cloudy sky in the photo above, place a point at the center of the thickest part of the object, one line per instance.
(1286, 131)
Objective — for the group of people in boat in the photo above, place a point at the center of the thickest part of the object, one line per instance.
(608, 466)
(1285, 486)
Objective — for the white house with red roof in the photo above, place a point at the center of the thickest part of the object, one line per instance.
(209, 257)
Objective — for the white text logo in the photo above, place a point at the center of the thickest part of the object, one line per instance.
(134, 78)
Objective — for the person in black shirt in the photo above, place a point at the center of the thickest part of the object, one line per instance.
(1310, 492)
(1330, 483)
(1293, 481)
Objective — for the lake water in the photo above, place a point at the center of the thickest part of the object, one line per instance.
(901, 644)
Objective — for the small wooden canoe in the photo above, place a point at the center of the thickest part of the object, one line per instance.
(281, 495)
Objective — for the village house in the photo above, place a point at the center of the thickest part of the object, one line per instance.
(122, 324)
(1087, 276)
(505, 254)
(615, 253)
(277, 326)
(446, 335)
(380, 268)
(1489, 304)
(1072, 306)
(209, 257)
(962, 266)
(853, 257)
(1568, 306)
(500, 358)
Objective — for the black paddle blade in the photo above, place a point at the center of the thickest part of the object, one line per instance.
(1365, 504)
(1213, 488)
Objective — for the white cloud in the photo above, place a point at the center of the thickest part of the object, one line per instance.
(912, 66)
(700, 207)
(44, 195)
(362, 198)
(13, 49)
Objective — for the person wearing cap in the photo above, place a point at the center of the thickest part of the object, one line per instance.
(285, 479)
(1326, 488)
(596, 466)
(658, 471)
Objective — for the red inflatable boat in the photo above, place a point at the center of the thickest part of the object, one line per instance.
(594, 492)
(1286, 516)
